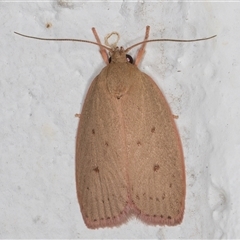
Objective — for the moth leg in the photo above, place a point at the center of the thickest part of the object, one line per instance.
(102, 50)
(141, 51)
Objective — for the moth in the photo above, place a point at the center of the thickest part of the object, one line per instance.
(129, 157)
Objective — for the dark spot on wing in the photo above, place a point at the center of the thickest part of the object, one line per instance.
(153, 130)
(96, 169)
(156, 167)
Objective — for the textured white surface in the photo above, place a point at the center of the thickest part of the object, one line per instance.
(43, 85)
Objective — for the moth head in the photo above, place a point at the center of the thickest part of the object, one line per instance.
(119, 55)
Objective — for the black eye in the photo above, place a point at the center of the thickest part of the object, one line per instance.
(129, 58)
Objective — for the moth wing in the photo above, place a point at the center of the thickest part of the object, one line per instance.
(156, 165)
(100, 169)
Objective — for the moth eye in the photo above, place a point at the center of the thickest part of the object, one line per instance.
(129, 59)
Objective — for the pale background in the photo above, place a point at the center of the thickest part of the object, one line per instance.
(43, 85)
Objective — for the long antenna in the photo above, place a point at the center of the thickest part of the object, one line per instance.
(169, 40)
(109, 49)
(63, 39)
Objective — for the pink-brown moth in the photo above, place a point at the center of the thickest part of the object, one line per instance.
(129, 158)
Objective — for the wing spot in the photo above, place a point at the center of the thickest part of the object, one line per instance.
(102, 218)
(102, 201)
(157, 199)
(87, 188)
(106, 143)
(169, 217)
(156, 167)
(150, 198)
(93, 131)
(118, 97)
(154, 215)
(153, 129)
(161, 216)
(137, 197)
(139, 143)
(163, 196)
(96, 169)
(94, 220)
(108, 218)
(170, 185)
